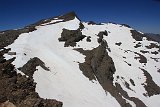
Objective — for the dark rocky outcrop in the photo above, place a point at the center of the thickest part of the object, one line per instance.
(70, 37)
(144, 52)
(152, 45)
(152, 88)
(118, 43)
(126, 25)
(30, 67)
(155, 59)
(142, 59)
(132, 82)
(19, 89)
(99, 66)
(154, 52)
(100, 34)
(97, 63)
(138, 45)
(81, 26)
(127, 85)
(68, 16)
(91, 23)
(127, 63)
(137, 101)
(100, 40)
(88, 39)
(9, 36)
(139, 36)
(136, 35)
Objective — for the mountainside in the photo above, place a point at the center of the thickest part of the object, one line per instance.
(80, 64)
(156, 37)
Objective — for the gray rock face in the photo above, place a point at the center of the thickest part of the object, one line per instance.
(151, 87)
(99, 66)
(138, 36)
(30, 67)
(70, 37)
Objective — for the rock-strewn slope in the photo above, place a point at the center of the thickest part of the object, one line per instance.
(18, 89)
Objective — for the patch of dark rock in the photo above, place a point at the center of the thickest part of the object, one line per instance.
(152, 88)
(138, 45)
(68, 16)
(127, 63)
(118, 43)
(124, 57)
(158, 70)
(19, 89)
(136, 35)
(125, 51)
(137, 101)
(91, 23)
(139, 36)
(52, 23)
(132, 82)
(126, 25)
(4, 51)
(99, 65)
(113, 23)
(122, 78)
(155, 52)
(144, 52)
(127, 86)
(145, 94)
(142, 59)
(30, 67)
(9, 36)
(70, 37)
(152, 45)
(86, 66)
(88, 39)
(100, 40)
(117, 77)
(81, 26)
(100, 34)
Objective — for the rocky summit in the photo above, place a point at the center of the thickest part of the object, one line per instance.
(65, 62)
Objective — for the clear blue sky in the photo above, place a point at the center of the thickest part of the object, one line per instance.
(143, 15)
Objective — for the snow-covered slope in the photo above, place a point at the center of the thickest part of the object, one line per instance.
(137, 63)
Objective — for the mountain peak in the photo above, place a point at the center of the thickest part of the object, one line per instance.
(68, 16)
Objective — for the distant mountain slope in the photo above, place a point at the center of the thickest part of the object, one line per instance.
(156, 37)
(84, 64)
